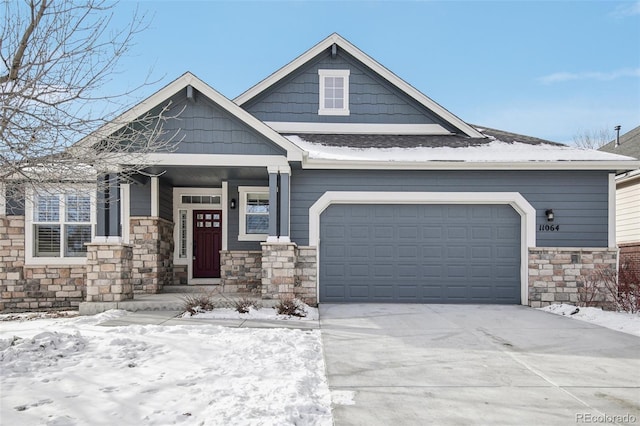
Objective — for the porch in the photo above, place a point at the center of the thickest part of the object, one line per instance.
(172, 299)
(177, 228)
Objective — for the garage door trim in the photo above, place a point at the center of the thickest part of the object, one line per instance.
(514, 199)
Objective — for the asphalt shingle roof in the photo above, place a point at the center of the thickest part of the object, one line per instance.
(629, 144)
(416, 141)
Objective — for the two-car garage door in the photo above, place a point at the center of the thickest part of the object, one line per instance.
(420, 253)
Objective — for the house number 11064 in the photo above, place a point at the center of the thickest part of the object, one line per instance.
(548, 227)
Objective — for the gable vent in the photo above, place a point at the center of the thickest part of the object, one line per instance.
(334, 50)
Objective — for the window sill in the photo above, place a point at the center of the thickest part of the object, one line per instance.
(333, 112)
(55, 261)
(252, 237)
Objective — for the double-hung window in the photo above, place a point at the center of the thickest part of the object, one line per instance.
(61, 224)
(254, 213)
(334, 92)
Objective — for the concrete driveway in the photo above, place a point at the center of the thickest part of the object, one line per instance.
(476, 364)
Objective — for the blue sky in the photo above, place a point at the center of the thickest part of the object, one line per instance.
(548, 69)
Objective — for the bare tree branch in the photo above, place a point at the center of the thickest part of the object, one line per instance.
(56, 57)
(592, 139)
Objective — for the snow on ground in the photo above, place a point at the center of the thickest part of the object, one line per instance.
(619, 321)
(495, 151)
(72, 371)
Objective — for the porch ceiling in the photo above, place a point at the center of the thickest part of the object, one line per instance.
(207, 176)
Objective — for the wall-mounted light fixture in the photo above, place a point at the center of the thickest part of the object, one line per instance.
(549, 214)
(232, 204)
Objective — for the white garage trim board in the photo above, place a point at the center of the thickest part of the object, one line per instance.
(514, 199)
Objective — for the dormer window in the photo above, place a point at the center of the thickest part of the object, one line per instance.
(334, 92)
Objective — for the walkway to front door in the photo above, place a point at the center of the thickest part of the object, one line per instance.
(207, 243)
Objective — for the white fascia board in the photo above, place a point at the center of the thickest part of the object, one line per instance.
(628, 176)
(357, 128)
(371, 63)
(514, 199)
(294, 153)
(220, 160)
(310, 163)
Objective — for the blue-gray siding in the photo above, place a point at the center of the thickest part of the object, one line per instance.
(140, 203)
(165, 194)
(202, 127)
(578, 199)
(233, 224)
(371, 98)
(420, 254)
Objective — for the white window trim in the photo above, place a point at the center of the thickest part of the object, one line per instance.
(243, 191)
(3, 199)
(29, 258)
(514, 199)
(324, 73)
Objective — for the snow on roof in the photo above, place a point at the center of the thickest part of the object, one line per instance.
(493, 150)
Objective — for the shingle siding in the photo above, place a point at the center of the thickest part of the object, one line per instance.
(371, 98)
(578, 199)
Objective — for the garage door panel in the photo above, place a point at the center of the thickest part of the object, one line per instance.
(358, 232)
(432, 232)
(358, 271)
(420, 253)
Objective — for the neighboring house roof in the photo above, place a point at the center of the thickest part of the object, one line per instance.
(383, 72)
(163, 95)
(629, 144)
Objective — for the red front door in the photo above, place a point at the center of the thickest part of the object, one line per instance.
(207, 243)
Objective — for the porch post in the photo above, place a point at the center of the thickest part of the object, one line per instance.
(273, 204)
(283, 236)
(109, 260)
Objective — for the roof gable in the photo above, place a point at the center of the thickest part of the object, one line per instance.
(221, 113)
(385, 78)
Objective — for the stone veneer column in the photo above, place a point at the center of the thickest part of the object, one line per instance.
(306, 283)
(557, 273)
(152, 240)
(278, 270)
(109, 272)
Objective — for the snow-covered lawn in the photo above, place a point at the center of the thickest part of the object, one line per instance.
(619, 321)
(71, 371)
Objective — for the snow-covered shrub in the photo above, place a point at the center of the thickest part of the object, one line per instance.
(244, 305)
(291, 306)
(200, 302)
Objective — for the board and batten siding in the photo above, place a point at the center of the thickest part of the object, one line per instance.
(628, 212)
(371, 98)
(579, 199)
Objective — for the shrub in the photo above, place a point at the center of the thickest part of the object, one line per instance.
(201, 302)
(621, 287)
(291, 306)
(244, 304)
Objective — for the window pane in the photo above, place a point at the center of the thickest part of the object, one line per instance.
(47, 208)
(257, 224)
(183, 234)
(47, 240)
(78, 208)
(75, 238)
(338, 83)
(258, 203)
